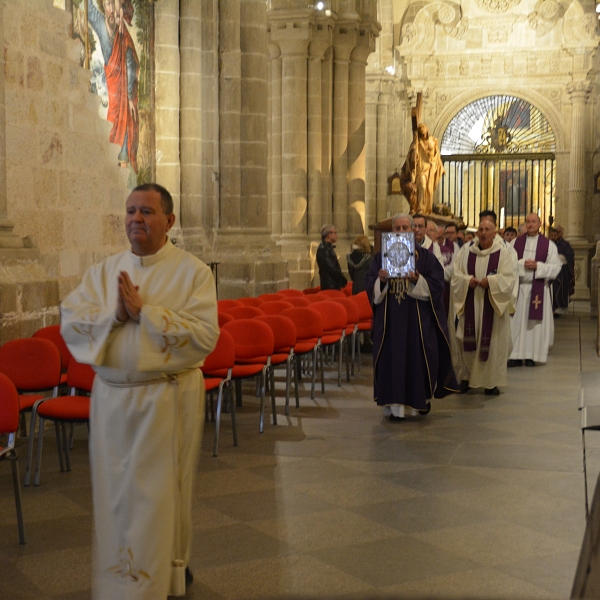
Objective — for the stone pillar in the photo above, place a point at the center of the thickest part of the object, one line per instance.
(7, 238)
(315, 130)
(294, 53)
(372, 134)
(382, 156)
(275, 140)
(344, 41)
(579, 92)
(167, 99)
(190, 118)
(356, 140)
(327, 136)
(230, 111)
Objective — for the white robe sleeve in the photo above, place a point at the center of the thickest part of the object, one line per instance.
(419, 290)
(87, 320)
(551, 268)
(460, 280)
(503, 283)
(173, 341)
(378, 292)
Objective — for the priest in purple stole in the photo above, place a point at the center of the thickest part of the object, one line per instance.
(411, 352)
(484, 284)
(533, 324)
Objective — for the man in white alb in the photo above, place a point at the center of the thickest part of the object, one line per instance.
(532, 326)
(484, 295)
(145, 320)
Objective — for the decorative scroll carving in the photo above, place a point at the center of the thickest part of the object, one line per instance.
(545, 17)
(497, 6)
(579, 27)
(420, 33)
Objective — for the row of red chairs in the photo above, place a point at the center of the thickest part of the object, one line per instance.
(300, 326)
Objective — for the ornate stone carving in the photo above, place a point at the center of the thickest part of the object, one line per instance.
(497, 6)
(555, 96)
(499, 35)
(545, 17)
(458, 31)
(420, 33)
(579, 27)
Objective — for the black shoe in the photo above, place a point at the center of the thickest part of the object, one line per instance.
(492, 391)
(464, 386)
(529, 363)
(556, 316)
(426, 410)
(189, 578)
(395, 419)
(514, 363)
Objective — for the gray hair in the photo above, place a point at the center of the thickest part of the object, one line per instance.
(325, 231)
(402, 216)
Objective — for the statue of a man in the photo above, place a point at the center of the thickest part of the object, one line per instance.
(424, 165)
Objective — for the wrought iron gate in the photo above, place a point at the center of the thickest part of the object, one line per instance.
(511, 185)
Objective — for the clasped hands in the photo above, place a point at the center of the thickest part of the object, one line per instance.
(129, 301)
(412, 276)
(530, 265)
(483, 283)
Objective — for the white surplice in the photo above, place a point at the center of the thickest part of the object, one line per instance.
(147, 412)
(532, 339)
(503, 295)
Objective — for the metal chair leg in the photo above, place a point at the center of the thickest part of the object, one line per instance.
(587, 507)
(17, 486)
(233, 414)
(218, 420)
(38, 458)
(273, 404)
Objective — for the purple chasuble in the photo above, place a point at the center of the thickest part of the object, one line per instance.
(487, 321)
(536, 306)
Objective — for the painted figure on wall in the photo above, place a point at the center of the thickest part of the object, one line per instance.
(117, 46)
(121, 68)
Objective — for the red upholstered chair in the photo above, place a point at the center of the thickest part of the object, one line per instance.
(312, 290)
(245, 312)
(335, 321)
(365, 313)
(250, 301)
(309, 329)
(291, 292)
(275, 307)
(312, 298)
(9, 424)
(330, 294)
(254, 344)
(224, 318)
(34, 367)
(221, 359)
(284, 334)
(63, 410)
(269, 297)
(225, 305)
(298, 301)
(347, 289)
(351, 332)
(52, 333)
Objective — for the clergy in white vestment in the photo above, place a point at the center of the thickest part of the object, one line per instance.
(484, 285)
(533, 324)
(145, 320)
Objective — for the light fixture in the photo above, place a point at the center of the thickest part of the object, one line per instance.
(391, 70)
(319, 5)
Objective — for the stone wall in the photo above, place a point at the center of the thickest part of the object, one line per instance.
(64, 188)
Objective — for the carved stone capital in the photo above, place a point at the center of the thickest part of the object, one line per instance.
(579, 91)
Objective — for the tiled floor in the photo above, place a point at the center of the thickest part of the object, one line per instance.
(481, 498)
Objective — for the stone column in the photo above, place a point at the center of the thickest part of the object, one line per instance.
(356, 139)
(372, 156)
(275, 140)
(327, 136)
(315, 129)
(190, 119)
(382, 156)
(342, 48)
(294, 53)
(579, 92)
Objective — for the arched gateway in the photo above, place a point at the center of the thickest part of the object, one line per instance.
(498, 153)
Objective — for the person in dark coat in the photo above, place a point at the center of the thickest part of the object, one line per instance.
(330, 272)
(564, 285)
(359, 261)
(411, 350)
